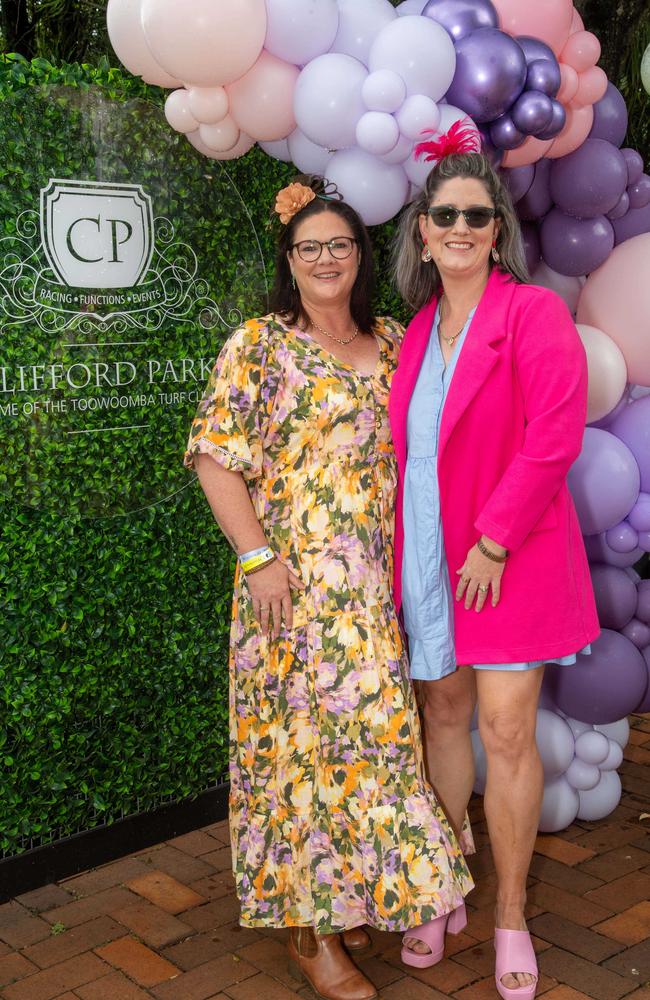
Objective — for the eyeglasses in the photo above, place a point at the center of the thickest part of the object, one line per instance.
(340, 247)
(445, 216)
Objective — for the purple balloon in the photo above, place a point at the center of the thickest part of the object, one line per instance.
(493, 153)
(518, 180)
(504, 134)
(604, 481)
(605, 421)
(534, 49)
(644, 540)
(532, 248)
(639, 516)
(639, 192)
(532, 112)
(634, 162)
(637, 632)
(543, 75)
(616, 596)
(644, 704)
(599, 551)
(610, 117)
(633, 428)
(605, 685)
(589, 181)
(622, 538)
(460, 17)
(620, 208)
(575, 246)
(558, 121)
(643, 601)
(490, 74)
(633, 223)
(537, 201)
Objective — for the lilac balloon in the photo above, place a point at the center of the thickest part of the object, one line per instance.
(592, 747)
(581, 775)
(460, 17)
(599, 551)
(504, 134)
(637, 632)
(639, 516)
(532, 112)
(537, 201)
(490, 74)
(532, 248)
(634, 163)
(644, 540)
(622, 537)
(614, 757)
(543, 75)
(518, 180)
(555, 743)
(639, 192)
(589, 181)
(604, 482)
(643, 601)
(618, 732)
(576, 246)
(635, 222)
(604, 685)
(610, 117)
(633, 427)
(560, 805)
(558, 121)
(620, 208)
(616, 595)
(534, 49)
(600, 801)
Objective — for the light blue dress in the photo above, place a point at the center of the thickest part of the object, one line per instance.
(427, 599)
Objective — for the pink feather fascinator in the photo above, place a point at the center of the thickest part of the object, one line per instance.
(462, 137)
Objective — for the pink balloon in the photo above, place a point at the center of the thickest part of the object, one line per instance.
(222, 136)
(127, 38)
(581, 51)
(564, 285)
(577, 24)
(261, 101)
(205, 42)
(616, 299)
(530, 151)
(177, 111)
(592, 84)
(569, 85)
(577, 128)
(243, 144)
(548, 20)
(607, 372)
(208, 104)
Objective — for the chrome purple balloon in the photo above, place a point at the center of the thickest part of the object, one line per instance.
(490, 74)
(505, 134)
(589, 181)
(610, 117)
(544, 75)
(534, 48)
(532, 112)
(460, 17)
(558, 121)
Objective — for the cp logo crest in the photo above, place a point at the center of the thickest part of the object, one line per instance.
(97, 235)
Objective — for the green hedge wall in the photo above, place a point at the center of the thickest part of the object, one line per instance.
(113, 676)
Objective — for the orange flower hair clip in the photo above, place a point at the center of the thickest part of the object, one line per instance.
(292, 199)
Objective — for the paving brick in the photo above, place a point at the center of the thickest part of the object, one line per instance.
(630, 926)
(114, 986)
(106, 877)
(215, 886)
(604, 838)
(638, 737)
(19, 928)
(4, 949)
(214, 914)
(220, 830)
(14, 967)
(104, 902)
(72, 942)
(447, 976)
(409, 987)
(138, 961)
(206, 980)
(50, 983)
(164, 891)
(593, 980)
(637, 754)
(633, 962)
(580, 940)
(565, 993)
(156, 927)
(45, 898)
(643, 993)
(616, 863)
(195, 951)
(196, 843)
(562, 850)
(270, 955)
(177, 864)
(221, 859)
(563, 876)
(261, 987)
(622, 892)
(379, 973)
(575, 908)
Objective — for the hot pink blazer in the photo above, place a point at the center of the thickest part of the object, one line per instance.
(511, 428)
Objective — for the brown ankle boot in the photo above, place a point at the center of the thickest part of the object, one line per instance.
(322, 961)
(356, 939)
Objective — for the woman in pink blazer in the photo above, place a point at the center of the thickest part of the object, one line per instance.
(487, 409)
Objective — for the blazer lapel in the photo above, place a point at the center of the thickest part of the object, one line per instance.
(404, 379)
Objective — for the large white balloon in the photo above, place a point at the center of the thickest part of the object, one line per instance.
(307, 155)
(377, 132)
(559, 806)
(300, 30)
(592, 747)
(127, 38)
(327, 100)
(383, 91)
(420, 50)
(600, 801)
(607, 372)
(617, 731)
(377, 190)
(417, 115)
(360, 21)
(614, 758)
(555, 743)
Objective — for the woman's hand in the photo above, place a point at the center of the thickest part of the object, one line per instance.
(478, 574)
(270, 589)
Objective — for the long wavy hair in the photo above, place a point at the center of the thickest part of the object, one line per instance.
(285, 299)
(418, 281)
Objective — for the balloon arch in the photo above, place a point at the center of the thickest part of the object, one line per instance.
(345, 88)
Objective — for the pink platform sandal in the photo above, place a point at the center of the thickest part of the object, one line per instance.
(515, 953)
(433, 935)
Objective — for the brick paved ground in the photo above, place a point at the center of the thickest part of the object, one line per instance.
(163, 923)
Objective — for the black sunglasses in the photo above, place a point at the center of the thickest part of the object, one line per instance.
(445, 216)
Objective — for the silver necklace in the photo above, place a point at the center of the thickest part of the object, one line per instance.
(331, 336)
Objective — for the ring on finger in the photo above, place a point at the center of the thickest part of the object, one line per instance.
(464, 579)
(483, 588)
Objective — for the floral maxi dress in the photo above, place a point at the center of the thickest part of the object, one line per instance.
(332, 822)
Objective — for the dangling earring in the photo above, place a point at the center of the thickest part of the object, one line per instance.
(496, 257)
(426, 255)
(293, 281)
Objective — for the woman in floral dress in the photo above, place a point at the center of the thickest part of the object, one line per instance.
(332, 823)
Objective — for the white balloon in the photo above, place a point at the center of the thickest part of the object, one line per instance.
(418, 170)
(177, 112)
(411, 7)
(600, 801)
(592, 747)
(645, 70)
(243, 144)
(327, 100)
(375, 189)
(618, 731)
(607, 371)
(307, 155)
(418, 114)
(127, 38)
(377, 132)
(480, 763)
(277, 148)
(300, 30)
(209, 105)
(420, 50)
(400, 152)
(383, 91)
(566, 287)
(559, 806)
(614, 758)
(360, 21)
(578, 728)
(220, 137)
(582, 776)
(555, 743)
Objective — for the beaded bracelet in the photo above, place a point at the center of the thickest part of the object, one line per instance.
(258, 560)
